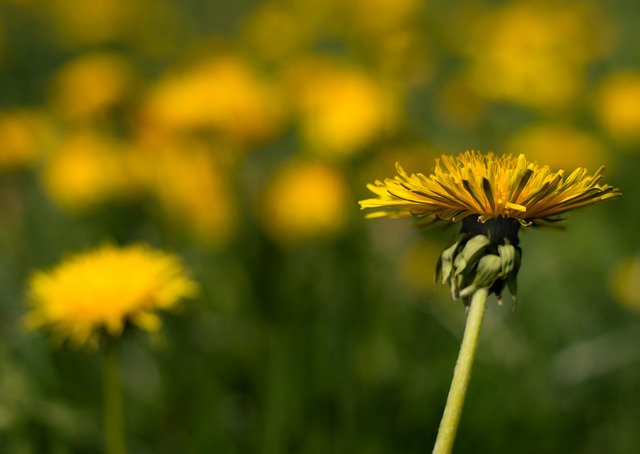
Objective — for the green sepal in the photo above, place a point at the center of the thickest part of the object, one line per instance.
(488, 271)
(445, 261)
(512, 278)
(508, 258)
(470, 254)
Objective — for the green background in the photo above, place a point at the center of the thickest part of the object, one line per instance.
(335, 342)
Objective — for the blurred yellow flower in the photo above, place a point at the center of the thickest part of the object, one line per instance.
(412, 265)
(91, 22)
(89, 85)
(560, 146)
(103, 291)
(383, 16)
(192, 188)
(25, 134)
(84, 170)
(342, 109)
(618, 106)
(303, 201)
(536, 53)
(223, 93)
(626, 283)
(275, 32)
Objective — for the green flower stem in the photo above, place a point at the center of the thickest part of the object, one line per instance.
(113, 403)
(461, 374)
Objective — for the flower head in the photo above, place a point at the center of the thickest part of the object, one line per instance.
(102, 291)
(493, 197)
(487, 186)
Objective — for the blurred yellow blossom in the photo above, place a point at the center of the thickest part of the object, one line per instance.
(392, 35)
(275, 32)
(342, 109)
(560, 146)
(221, 93)
(103, 291)
(25, 134)
(618, 106)
(85, 169)
(383, 16)
(304, 200)
(192, 188)
(89, 85)
(626, 283)
(91, 22)
(535, 53)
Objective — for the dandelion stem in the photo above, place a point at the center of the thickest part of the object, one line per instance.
(113, 403)
(461, 374)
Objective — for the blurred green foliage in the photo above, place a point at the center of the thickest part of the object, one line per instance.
(240, 135)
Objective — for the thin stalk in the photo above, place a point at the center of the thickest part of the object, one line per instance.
(114, 437)
(461, 374)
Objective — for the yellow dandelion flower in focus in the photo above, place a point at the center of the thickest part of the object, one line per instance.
(103, 291)
(487, 186)
(493, 196)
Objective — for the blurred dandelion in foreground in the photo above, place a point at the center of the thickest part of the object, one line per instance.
(91, 298)
(493, 197)
(100, 293)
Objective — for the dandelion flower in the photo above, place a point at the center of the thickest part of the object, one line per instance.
(493, 196)
(315, 207)
(341, 110)
(86, 169)
(101, 292)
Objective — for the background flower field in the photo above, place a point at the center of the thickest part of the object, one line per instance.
(239, 136)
